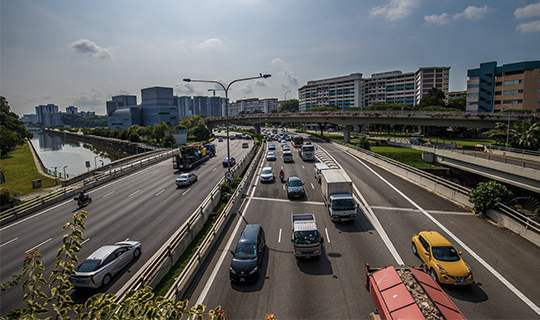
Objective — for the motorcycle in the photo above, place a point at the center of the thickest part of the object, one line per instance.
(281, 177)
(84, 201)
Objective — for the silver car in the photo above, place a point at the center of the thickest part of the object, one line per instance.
(267, 174)
(98, 269)
(186, 179)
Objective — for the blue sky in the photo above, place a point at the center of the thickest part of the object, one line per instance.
(82, 53)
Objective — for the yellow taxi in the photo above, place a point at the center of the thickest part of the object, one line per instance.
(442, 260)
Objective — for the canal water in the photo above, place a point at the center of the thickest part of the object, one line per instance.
(72, 156)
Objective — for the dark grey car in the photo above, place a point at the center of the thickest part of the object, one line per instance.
(295, 188)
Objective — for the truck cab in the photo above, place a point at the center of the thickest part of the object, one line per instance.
(306, 239)
(337, 191)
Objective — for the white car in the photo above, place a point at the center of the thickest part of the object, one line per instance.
(98, 269)
(267, 174)
(186, 179)
(270, 156)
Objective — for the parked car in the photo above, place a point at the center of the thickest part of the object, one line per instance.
(247, 258)
(226, 161)
(99, 268)
(287, 156)
(271, 146)
(186, 179)
(267, 174)
(442, 260)
(270, 156)
(295, 188)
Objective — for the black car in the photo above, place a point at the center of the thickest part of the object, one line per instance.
(295, 188)
(226, 161)
(248, 255)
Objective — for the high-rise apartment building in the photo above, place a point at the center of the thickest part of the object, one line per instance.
(253, 105)
(510, 86)
(391, 87)
(48, 115)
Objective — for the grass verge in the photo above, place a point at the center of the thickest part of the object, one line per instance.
(20, 170)
(407, 156)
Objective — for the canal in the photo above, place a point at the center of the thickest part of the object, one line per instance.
(70, 157)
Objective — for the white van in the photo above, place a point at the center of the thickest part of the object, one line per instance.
(317, 167)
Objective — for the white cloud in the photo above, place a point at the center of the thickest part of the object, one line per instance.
(285, 75)
(532, 10)
(473, 13)
(470, 13)
(89, 99)
(184, 89)
(246, 89)
(261, 83)
(210, 44)
(396, 9)
(533, 26)
(438, 19)
(86, 46)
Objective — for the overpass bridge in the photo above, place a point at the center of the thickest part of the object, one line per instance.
(348, 119)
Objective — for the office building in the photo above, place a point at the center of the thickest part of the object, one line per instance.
(514, 86)
(354, 91)
(123, 112)
(158, 106)
(71, 110)
(48, 115)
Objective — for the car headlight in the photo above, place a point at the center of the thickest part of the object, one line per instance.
(441, 268)
(468, 268)
(232, 270)
(254, 270)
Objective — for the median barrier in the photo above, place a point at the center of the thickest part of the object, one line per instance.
(517, 222)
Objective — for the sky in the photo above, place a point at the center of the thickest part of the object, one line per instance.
(82, 53)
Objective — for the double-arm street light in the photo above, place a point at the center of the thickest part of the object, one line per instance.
(226, 89)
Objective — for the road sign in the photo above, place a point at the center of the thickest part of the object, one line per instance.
(228, 175)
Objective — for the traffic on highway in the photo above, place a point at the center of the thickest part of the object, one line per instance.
(323, 279)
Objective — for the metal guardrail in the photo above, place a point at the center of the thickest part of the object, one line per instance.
(527, 222)
(163, 258)
(27, 207)
(515, 150)
(451, 185)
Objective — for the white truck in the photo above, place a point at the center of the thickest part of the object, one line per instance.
(337, 192)
(306, 239)
(307, 152)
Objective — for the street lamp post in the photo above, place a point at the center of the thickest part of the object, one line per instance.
(95, 162)
(125, 153)
(118, 154)
(507, 127)
(65, 172)
(226, 89)
(286, 94)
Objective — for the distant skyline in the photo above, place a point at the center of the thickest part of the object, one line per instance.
(81, 53)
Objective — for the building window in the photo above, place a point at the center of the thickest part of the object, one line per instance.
(498, 83)
(510, 82)
(473, 86)
(515, 101)
(514, 91)
(474, 78)
(469, 95)
(472, 103)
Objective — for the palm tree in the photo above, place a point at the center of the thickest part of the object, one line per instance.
(526, 135)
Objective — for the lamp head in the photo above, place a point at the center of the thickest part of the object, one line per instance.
(266, 75)
(187, 80)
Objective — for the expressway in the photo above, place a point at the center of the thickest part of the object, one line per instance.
(145, 206)
(332, 286)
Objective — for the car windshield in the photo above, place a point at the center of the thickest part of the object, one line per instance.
(445, 254)
(308, 148)
(245, 252)
(267, 171)
(295, 183)
(88, 265)
(306, 237)
(183, 177)
(343, 204)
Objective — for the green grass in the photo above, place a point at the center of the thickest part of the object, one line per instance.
(20, 169)
(407, 156)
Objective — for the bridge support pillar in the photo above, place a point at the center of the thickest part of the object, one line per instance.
(257, 127)
(347, 133)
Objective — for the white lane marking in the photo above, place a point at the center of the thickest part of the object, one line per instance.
(134, 193)
(223, 254)
(157, 194)
(495, 273)
(312, 186)
(39, 245)
(303, 167)
(163, 163)
(327, 237)
(188, 190)
(466, 213)
(10, 241)
(289, 201)
(108, 194)
(214, 169)
(85, 241)
(373, 219)
(279, 237)
(155, 172)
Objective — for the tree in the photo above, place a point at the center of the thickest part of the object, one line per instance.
(199, 133)
(69, 119)
(140, 304)
(363, 142)
(498, 134)
(169, 140)
(526, 135)
(290, 105)
(487, 195)
(458, 103)
(12, 130)
(159, 130)
(134, 136)
(434, 97)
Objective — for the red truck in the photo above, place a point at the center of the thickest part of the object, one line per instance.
(408, 293)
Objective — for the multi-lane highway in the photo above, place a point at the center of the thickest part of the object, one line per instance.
(145, 206)
(332, 286)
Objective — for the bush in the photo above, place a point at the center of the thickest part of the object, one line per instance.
(5, 196)
(487, 195)
(363, 142)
